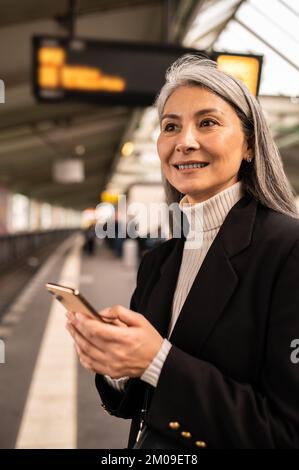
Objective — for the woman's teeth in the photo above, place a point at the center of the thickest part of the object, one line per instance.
(193, 165)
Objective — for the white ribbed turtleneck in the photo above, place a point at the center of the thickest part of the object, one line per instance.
(205, 219)
(207, 216)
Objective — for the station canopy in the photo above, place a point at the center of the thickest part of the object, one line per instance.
(34, 136)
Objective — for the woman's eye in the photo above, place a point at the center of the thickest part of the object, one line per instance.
(169, 127)
(208, 123)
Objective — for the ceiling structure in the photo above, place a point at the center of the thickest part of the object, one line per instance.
(34, 135)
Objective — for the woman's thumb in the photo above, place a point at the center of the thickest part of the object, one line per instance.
(127, 316)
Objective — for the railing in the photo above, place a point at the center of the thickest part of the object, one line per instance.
(13, 247)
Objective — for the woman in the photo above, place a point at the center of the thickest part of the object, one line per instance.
(205, 347)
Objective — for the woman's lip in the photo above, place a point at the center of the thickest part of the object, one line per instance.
(190, 169)
(190, 163)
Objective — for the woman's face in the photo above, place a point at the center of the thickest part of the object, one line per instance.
(198, 126)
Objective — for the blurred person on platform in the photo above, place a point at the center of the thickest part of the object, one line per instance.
(89, 244)
(203, 357)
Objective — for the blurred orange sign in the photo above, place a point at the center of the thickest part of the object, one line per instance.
(246, 68)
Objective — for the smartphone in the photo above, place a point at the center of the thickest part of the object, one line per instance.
(73, 301)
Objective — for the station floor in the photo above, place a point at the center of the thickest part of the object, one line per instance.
(47, 400)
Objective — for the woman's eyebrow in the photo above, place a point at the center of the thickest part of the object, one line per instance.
(196, 114)
(170, 116)
(207, 111)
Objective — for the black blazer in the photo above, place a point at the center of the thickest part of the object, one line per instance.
(228, 380)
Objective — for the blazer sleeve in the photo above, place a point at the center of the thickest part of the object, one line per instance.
(124, 404)
(218, 412)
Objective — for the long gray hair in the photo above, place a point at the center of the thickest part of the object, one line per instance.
(264, 178)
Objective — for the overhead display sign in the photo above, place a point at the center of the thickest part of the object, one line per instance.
(246, 68)
(102, 71)
(107, 72)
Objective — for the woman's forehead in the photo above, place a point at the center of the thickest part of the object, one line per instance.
(193, 99)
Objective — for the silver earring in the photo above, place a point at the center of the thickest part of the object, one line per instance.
(249, 158)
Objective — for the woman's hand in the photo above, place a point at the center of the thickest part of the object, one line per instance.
(117, 350)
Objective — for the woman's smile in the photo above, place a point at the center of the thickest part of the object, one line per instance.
(190, 167)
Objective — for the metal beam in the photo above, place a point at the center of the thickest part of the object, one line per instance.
(183, 18)
(54, 10)
(225, 23)
(286, 5)
(268, 44)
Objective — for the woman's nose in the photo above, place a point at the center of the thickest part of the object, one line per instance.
(187, 141)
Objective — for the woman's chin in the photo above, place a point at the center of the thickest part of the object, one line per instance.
(194, 192)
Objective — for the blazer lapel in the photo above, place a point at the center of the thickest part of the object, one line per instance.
(159, 305)
(216, 279)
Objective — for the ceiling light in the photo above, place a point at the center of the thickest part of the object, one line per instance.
(127, 149)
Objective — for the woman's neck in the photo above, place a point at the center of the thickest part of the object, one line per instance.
(189, 199)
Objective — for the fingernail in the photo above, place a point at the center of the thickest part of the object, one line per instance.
(78, 316)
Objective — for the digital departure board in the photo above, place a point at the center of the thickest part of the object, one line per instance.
(245, 67)
(102, 71)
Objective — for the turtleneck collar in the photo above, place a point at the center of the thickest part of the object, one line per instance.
(210, 214)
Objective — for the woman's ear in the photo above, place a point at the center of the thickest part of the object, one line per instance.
(250, 145)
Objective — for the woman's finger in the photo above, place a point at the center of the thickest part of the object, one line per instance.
(89, 349)
(83, 360)
(77, 337)
(70, 328)
(96, 332)
(107, 314)
(86, 364)
(90, 364)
